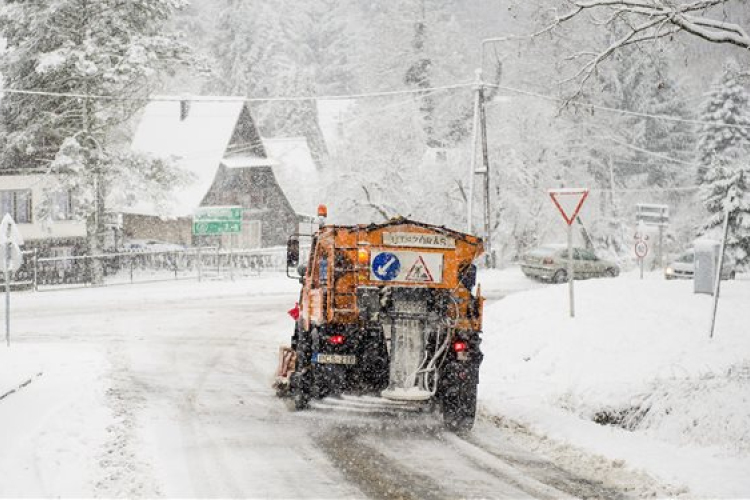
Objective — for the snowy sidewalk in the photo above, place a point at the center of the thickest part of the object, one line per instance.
(19, 366)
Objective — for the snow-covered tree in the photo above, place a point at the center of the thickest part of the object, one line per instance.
(727, 185)
(723, 148)
(726, 116)
(87, 48)
(245, 48)
(317, 37)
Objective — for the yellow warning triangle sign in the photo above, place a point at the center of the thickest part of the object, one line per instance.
(419, 272)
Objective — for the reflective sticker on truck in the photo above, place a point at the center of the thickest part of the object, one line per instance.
(410, 267)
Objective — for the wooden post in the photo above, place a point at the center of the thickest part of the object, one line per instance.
(36, 269)
(200, 264)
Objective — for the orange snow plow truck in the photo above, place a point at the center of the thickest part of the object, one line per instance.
(387, 309)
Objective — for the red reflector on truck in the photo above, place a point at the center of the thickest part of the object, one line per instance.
(460, 346)
(336, 339)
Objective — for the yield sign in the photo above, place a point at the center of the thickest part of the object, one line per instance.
(569, 201)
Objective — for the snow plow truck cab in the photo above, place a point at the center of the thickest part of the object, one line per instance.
(387, 309)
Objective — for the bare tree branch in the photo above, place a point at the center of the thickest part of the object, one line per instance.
(643, 21)
(378, 208)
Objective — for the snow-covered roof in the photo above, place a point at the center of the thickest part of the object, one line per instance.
(198, 141)
(296, 172)
(332, 117)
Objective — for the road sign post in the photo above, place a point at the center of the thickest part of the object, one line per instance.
(210, 221)
(217, 220)
(641, 250)
(12, 257)
(654, 215)
(569, 202)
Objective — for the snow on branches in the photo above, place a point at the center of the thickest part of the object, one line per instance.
(639, 21)
(724, 171)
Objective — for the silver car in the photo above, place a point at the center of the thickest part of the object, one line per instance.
(683, 267)
(550, 263)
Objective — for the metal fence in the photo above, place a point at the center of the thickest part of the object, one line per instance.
(48, 273)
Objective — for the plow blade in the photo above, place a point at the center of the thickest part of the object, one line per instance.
(287, 362)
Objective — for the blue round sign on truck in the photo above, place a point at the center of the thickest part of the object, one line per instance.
(386, 266)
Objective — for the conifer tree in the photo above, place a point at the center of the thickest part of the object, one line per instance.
(723, 150)
(87, 48)
(726, 112)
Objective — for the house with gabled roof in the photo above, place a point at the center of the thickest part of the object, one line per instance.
(215, 140)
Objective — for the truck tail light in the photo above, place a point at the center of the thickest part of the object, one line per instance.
(460, 346)
(336, 339)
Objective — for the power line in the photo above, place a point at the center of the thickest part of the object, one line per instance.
(366, 95)
(194, 98)
(648, 152)
(640, 114)
(647, 190)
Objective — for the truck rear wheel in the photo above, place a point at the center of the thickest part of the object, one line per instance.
(459, 407)
(301, 380)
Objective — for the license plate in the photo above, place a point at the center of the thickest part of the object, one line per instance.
(335, 359)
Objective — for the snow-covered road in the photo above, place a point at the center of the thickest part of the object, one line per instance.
(165, 390)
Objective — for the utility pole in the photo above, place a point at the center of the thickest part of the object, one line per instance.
(473, 158)
(486, 171)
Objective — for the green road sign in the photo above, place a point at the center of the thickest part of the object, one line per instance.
(216, 227)
(217, 220)
(218, 214)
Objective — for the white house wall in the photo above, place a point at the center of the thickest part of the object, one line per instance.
(36, 230)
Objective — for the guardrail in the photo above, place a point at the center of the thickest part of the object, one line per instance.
(48, 273)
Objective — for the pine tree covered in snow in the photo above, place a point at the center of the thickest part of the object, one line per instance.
(727, 111)
(87, 48)
(245, 47)
(317, 37)
(723, 151)
(727, 181)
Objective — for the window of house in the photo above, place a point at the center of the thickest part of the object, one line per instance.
(17, 203)
(62, 208)
(258, 199)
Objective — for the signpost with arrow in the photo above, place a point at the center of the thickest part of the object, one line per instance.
(12, 258)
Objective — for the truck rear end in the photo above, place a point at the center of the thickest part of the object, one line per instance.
(388, 309)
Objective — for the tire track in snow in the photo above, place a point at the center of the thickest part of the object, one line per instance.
(124, 473)
(375, 474)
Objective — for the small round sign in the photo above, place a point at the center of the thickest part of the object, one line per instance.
(641, 249)
(386, 266)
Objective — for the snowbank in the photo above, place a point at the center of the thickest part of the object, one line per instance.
(50, 419)
(638, 359)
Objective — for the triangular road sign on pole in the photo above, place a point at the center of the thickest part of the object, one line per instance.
(569, 201)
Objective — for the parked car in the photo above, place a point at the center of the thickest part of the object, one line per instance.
(683, 267)
(550, 263)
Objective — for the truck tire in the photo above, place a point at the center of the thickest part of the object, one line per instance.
(301, 391)
(301, 380)
(459, 407)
